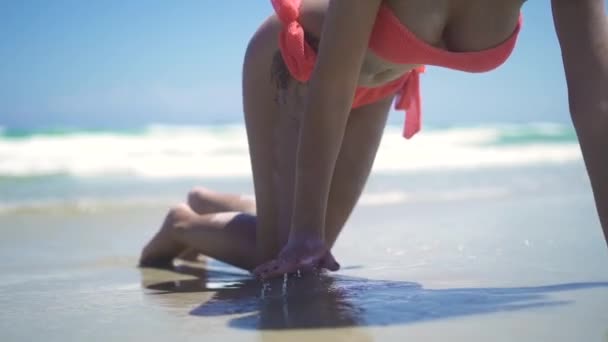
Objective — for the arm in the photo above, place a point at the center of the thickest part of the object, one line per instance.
(582, 29)
(344, 40)
(346, 31)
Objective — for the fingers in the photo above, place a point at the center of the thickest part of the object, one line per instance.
(329, 262)
(272, 269)
(277, 268)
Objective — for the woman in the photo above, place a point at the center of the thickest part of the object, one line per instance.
(318, 80)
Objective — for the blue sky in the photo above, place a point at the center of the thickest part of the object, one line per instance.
(129, 63)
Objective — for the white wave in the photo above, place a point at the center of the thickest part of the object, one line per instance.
(399, 197)
(83, 205)
(465, 149)
(221, 151)
(88, 205)
(383, 198)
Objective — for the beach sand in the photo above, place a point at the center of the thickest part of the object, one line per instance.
(483, 264)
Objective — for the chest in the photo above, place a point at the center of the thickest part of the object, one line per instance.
(444, 25)
(458, 25)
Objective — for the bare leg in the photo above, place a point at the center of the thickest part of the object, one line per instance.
(227, 236)
(272, 127)
(272, 116)
(205, 201)
(261, 114)
(162, 249)
(272, 102)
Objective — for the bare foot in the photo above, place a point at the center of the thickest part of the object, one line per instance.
(162, 249)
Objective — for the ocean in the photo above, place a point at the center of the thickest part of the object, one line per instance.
(54, 166)
(485, 232)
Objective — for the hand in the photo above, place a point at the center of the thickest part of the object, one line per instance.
(329, 262)
(298, 254)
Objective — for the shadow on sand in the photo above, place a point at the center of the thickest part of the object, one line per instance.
(331, 300)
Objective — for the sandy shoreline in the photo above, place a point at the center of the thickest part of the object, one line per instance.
(517, 267)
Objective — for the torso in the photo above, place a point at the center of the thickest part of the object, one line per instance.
(454, 25)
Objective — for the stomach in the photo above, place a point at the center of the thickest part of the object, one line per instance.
(376, 71)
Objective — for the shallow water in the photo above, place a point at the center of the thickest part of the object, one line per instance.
(527, 265)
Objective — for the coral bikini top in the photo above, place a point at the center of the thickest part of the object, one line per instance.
(390, 40)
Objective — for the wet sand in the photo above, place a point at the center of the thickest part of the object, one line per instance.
(508, 268)
(467, 270)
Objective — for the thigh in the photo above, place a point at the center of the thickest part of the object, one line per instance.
(271, 135)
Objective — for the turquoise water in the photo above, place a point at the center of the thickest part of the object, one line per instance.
(506, 133)
(219, 151)
(88, 168)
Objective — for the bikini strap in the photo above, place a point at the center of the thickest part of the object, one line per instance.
(410, 100)
(298, 55)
